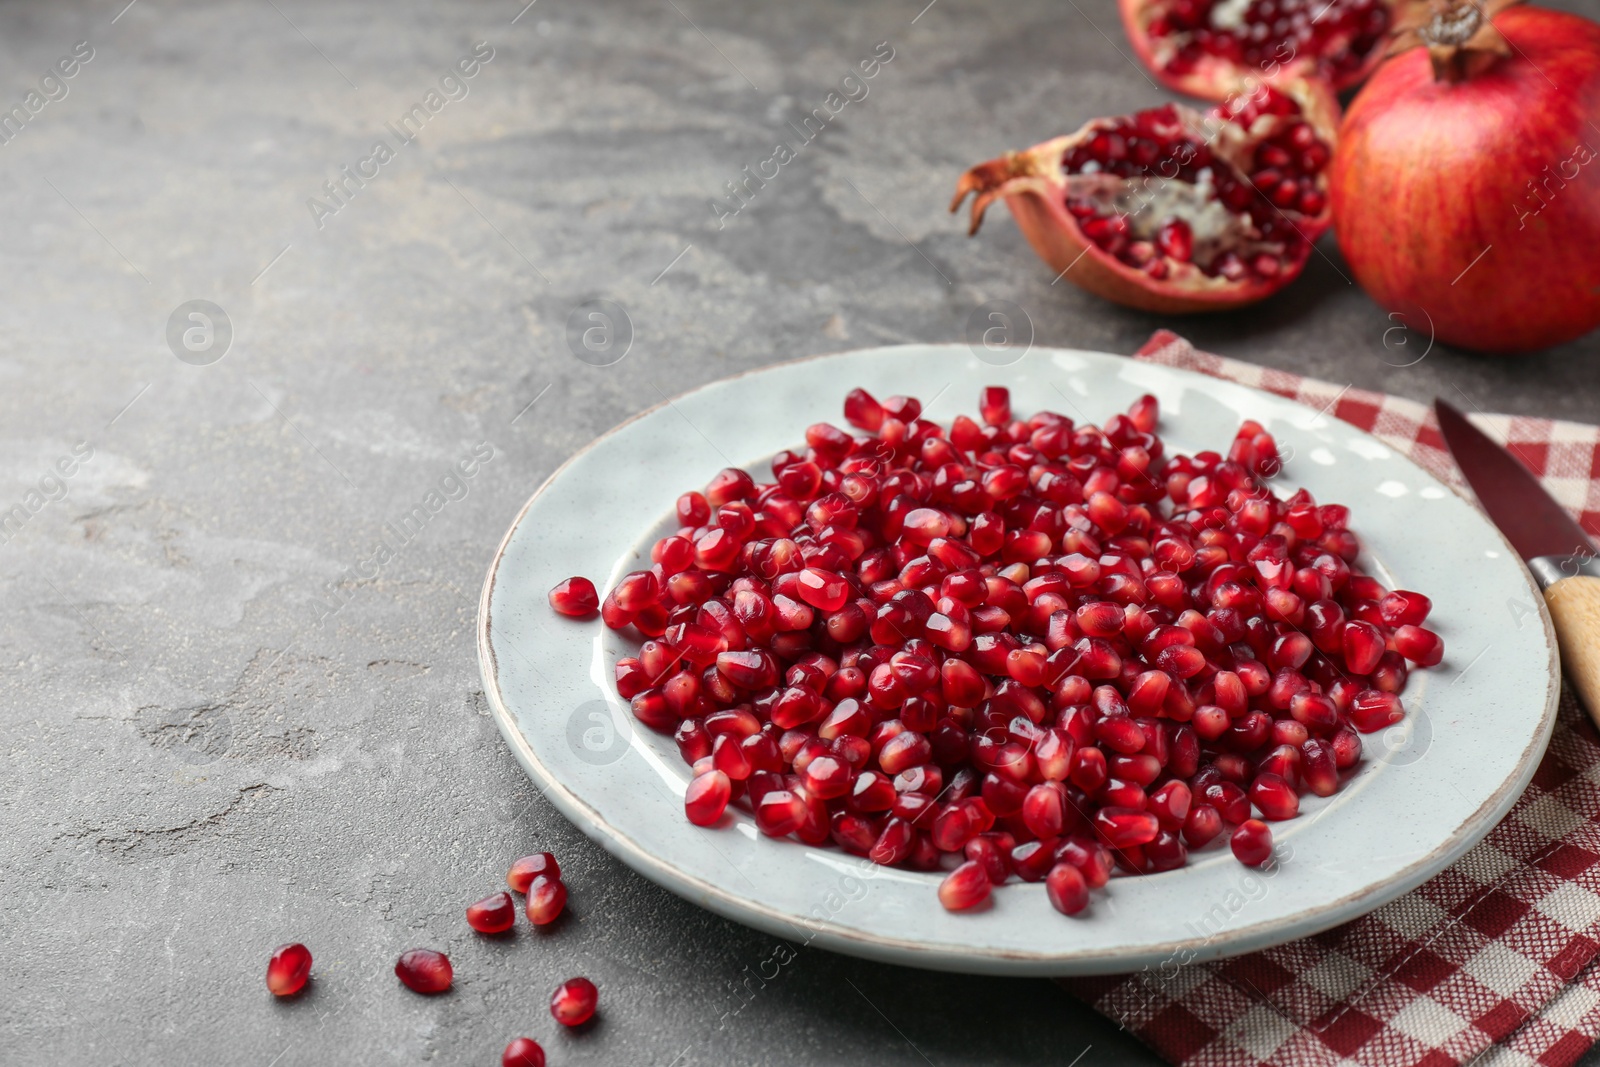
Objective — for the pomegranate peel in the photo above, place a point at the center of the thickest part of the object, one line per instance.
(1169, 209)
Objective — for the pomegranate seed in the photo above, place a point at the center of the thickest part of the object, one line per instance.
(707, 797)
(1165, 853)
(693, 510)
(522, 1052)
(1318, 769)
(730, 484)
(965, 887)
(1251, 843)
(1146, 411)
(547, 897)
(893, 844)
(287, 969)
(952, 829)
(422, 970)
(823, 590)
(1170, 805)
(575, 597)
(1402, 608)
(862, 411)
(780, 813)
(1374, 710)
(871, 792)
(526, 869)
(494, 914)
(1044, 809)
(1202, 825)
(1066, 888)
(1274, 797)
(574, 1001)
(1124, 827)
(636, 591)
(1176, 241)
(1346, 745)
(1363, 645)
(985, 849)
(994, 404)
(1422, 647)
(1390, 675)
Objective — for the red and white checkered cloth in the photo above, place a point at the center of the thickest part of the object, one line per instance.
(1494, 961)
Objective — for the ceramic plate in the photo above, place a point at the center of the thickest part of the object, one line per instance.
(1427, 790)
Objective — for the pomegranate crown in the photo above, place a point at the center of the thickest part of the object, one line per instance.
(1459, 34)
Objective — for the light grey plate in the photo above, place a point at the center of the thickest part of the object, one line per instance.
(1427, 791)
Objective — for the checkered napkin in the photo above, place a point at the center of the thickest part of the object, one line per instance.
(1494, 961)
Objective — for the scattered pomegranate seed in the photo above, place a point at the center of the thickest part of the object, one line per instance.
(287, 969)
(1035, 648)
(1252, 842)
(422, 970)
(526, 869)
(547, 897)
(575, 597)
(493, 914)
(522, 1052)
(574, 1001)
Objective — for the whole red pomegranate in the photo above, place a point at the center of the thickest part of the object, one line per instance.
(1466, 186)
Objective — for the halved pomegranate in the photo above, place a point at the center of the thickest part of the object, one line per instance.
(1170, 210)
(1212, 48)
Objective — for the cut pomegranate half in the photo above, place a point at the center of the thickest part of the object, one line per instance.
(1170, 210)
(1210, 48)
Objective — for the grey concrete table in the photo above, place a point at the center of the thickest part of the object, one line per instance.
(224, 729)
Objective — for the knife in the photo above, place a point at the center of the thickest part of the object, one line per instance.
(1560, 555)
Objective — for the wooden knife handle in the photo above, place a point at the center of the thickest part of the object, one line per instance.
(1575, 609)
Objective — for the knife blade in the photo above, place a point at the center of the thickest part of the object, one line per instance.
(1526, 513)
(1558, 551)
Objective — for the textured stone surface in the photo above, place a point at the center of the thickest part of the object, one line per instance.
(200, 760)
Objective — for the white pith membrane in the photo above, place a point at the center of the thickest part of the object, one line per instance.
(1148, 204)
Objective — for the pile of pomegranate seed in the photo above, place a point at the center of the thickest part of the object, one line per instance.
(1267, 32)
(1187, 181)
(287, 969)
(1020, 647)
(539, 878)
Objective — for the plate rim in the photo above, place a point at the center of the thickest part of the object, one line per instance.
(968, 958)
